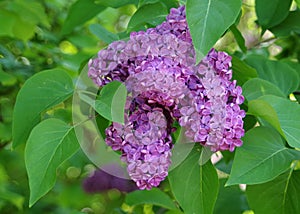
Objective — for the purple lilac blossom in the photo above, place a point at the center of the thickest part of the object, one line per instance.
(164, 85)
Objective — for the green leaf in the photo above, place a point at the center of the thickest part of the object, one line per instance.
(103, 34)
(270, 15)
(238, 37)
(226, 197)
(154, 196)
(241, 71)
(288, 113)
(111, 102)
(280, 196)
(276, 72)
(288, 26)
(257, 87)
(195, 187)
(39, 93)
(265, 111)
(208, 20)
(295, 66)
(152, 14)
(262, 157)
(80, 12)
(50, 143)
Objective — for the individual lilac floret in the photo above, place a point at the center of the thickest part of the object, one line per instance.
(164, 85)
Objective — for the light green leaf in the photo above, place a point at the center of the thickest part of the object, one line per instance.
(208, 20)
(152, 14)
(39, 93)
(280, 196)
(256, 87)
(288, 113)
(80, 12)
(241, 71)
(276, 72)
(195, 187)
(50, 143)
(262, 157)
(154, 196)
(265, 111)
(111, 102)
(103, 34)
(270, 15)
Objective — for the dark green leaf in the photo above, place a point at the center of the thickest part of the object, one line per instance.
(289, 25)
(152, 14)
(280, 196)
(39, 93)
(276, 72)
(208, 20)
(241, 71)
(154, 196)
(271, 14)
(50, 143)
(262, 157)
(103, 34)
(226, 197)
(80, 12)
(238, 37)
(111, 102)
(288, 113)
(257, 87)
(195, 187)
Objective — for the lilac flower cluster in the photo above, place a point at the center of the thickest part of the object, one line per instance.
(164, 85)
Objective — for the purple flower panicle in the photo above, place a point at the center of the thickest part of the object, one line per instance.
(164, 85)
